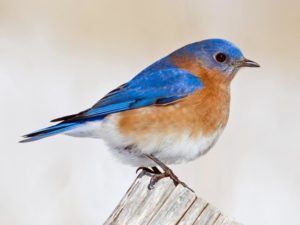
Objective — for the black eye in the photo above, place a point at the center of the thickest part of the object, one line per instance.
(220, 57)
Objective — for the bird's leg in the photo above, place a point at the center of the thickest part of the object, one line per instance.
(167, 173)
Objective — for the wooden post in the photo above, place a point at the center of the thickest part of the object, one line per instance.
(165, 205)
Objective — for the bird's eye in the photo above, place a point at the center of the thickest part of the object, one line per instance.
(220, 57)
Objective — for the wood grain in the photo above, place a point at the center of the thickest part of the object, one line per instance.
(165, 205)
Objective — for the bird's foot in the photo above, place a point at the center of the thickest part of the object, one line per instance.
(167, 173)
(156, 175)
(147, 171)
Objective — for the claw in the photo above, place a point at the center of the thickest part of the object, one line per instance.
(156, 175)
(156, 170)
(150, 186)
(144, 171)
(142, 168)
(167, 172)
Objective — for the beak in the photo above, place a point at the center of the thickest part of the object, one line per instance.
(248, 63)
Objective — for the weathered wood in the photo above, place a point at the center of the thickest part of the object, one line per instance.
(165, 205)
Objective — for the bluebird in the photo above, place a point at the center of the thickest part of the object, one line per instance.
(173, 111)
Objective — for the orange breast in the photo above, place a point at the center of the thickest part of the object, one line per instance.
(201, 113)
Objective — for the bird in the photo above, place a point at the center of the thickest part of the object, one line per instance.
(171, 112)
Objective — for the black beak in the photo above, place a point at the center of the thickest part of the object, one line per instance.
(248, 63)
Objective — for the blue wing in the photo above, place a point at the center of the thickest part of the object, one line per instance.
(160, 87)
(155, 88)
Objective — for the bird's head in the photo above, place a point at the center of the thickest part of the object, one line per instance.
(217, 54)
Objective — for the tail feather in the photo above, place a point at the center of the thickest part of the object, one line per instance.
(49, 131)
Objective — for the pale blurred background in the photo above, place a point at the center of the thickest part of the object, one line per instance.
(60, 56)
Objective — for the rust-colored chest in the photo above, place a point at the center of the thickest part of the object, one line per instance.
(202, 113)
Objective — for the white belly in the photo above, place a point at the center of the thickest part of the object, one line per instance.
(170, 148)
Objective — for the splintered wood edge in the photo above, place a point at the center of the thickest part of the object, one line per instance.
(165, 205)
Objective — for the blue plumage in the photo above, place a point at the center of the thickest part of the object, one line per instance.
(147, 88)
(161, 83)
(50, 131)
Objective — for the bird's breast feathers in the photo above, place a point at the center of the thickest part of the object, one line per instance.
(177, 132)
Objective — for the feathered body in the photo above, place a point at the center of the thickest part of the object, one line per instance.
(175, 109)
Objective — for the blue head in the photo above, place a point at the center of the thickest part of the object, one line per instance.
(217, 54)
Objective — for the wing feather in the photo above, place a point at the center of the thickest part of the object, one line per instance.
(157, 88)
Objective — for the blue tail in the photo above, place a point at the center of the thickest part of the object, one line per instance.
(50, 131)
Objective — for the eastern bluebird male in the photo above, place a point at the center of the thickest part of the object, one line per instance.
(171, 112)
